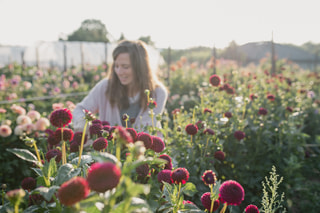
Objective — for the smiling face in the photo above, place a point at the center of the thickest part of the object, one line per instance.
(123, 69)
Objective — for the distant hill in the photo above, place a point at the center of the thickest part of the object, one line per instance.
(254, 51)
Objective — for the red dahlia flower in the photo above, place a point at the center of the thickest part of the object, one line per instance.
(289, 109)
(220, 155)
(77, 137)
(239, 135)
(133, 133)
(166, 157)
(157, 144)
(100, 144)
(262, 111)
(271, 97)
(122, 135)
(191, 129)
(146, 139)
(73, 191)
(67, 134)
(208, 131)
(215, 80)
(228, 114)
(95, 129)
(209, 177)
(103, 176)
(180, 175)
(206, 110)
(165, 175)
(29, 183)
(231, 192)
(143, 170)
(74, 146)
(251, 209)
(35, 199)
(206, 202)
(54, 153)
(61, 117)
(52, 140)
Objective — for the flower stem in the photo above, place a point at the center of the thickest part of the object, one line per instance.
(152, 118)
(82, 142)
(37, 152)
(118, 150)
(205, 149)
(212, 201)
(224, 208)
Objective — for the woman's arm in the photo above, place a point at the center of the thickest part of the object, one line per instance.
(90, 102)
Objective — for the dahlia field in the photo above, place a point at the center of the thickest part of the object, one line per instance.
(242, 139)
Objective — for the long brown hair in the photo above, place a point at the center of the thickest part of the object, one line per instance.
(143, 75)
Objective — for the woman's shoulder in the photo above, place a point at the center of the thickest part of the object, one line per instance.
(161, 89)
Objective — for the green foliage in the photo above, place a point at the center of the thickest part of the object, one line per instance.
(90, 30)
(271, 201)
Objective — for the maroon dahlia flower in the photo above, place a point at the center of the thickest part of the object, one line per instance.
(206, 202)
(77, 137)
(35, 199)
(157, 144)
(165, 175)
(104, 123)
(228, 114)
(184, 202)
(73, 191)
(200, 124)
(289, 109)
(67, 134)
(271, 97)
(231, 192)
(28, 183)
(180, 175)
(100, 144)
(191, 129)
(74, 146)
(133, 133)
(54, 153)
(95, 129)
(96, 121)
(239, 135)
(166, 157)
(215, 80)
(253, 96)
(53, 141)
(208, 131)
(122, 135)
(262, 111)
(146, 139)
(220, 155)
(61, 117)
(103, 176)
(143, 170)
(209, 177)
(251, 209)
(206, 110)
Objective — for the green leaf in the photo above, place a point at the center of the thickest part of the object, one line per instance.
(104, 157)
(85, 159)
(46, 192)
(189, 189)
(65, 173)
(24, 154)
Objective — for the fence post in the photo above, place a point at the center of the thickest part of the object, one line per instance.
(37, 57)
(273, 57)
(214, 54)
(82, 58)
(22, 60)
(169, 64)
(64, 57)
(316, 61)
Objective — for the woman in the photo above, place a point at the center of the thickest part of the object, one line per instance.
(123, 91)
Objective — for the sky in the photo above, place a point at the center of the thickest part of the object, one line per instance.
(178, 24)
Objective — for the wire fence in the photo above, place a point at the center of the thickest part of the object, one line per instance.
(42, 98)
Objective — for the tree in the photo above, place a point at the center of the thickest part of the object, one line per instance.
(121, 37)
(90, 30)
(147, 40)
